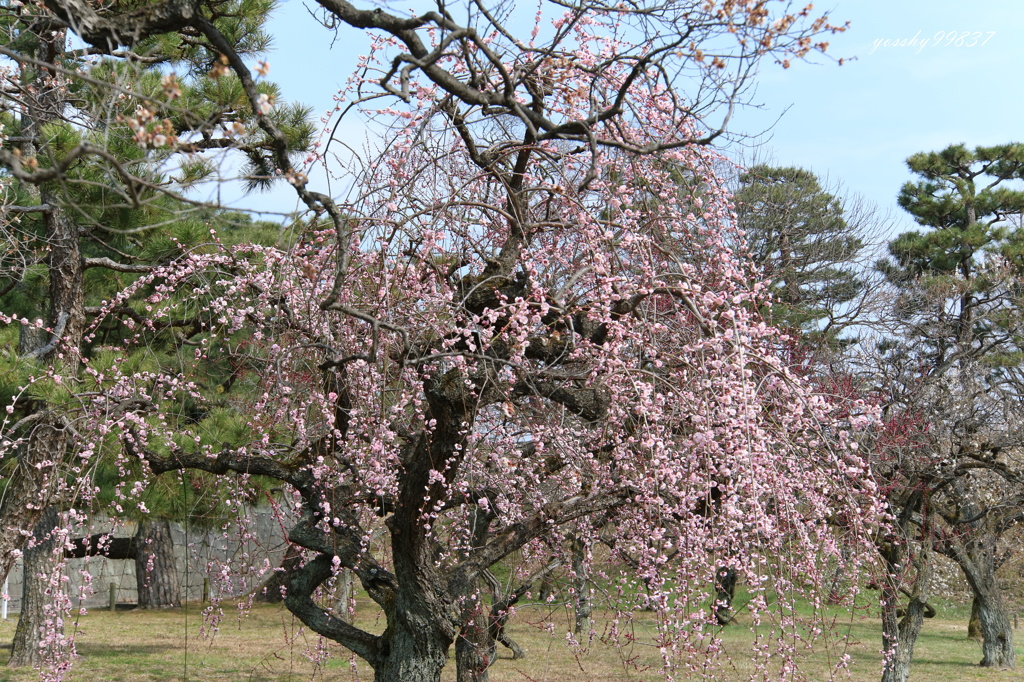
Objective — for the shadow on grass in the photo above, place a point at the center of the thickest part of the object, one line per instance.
(87, 650)
(944, 662)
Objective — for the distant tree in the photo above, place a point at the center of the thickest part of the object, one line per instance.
(800, 236)
(966, 198)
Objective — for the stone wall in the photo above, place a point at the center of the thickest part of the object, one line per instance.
(202, 554)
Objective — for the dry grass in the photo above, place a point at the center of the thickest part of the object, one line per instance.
(268, 644)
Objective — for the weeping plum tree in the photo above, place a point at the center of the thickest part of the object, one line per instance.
(809, 243)
(515, 333)
(475, 415)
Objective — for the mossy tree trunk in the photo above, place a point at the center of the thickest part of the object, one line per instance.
(974, 624)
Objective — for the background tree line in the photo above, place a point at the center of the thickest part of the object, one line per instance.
(938, 350)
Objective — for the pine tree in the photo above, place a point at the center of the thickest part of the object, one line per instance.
(798, 234)
(100, 175)
(965, 198)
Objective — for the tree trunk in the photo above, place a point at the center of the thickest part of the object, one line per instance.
(977, 559)
(474, 648)
(343, 594)
(900, 629)
(547, 589)
(413, 647)
(899, 635)
(725, 591)
(997, 632)
(500, 612)
(974, 624)
(272, 591)
(414, 654)
(29, 486)
(836, 590)
(155, 571)
(581, 587)
(35, 624)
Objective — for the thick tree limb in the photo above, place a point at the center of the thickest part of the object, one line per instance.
(112, 30)
(301, 585)
(109, 264)
(227, 461)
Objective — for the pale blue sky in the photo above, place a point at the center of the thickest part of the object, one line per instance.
(855, 123)
(859, 122)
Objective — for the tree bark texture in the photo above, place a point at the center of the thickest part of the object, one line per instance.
(155, 571)
(974, 550)
(414, 654)
(343, 594)
(39, 566)
(31, 484)
(978, 564)
(475, 647)
(901, 627)
(899, 634)
(997, 632)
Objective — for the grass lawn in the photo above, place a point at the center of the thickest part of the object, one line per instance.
(268, 644)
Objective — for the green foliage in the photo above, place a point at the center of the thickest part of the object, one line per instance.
(964, 200)
(960, 279)
(798, 234)
(139, 202)
(194, 171)
(15, 371)
(242, 22)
